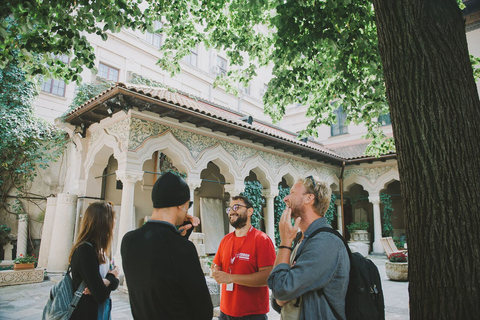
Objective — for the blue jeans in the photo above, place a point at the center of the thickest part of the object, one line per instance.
(224, 316)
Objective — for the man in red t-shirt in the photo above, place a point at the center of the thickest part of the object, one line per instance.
(242, 265)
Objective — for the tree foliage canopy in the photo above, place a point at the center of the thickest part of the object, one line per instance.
(323, 54)
(26, 142)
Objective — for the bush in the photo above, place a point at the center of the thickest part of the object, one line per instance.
(362, 225)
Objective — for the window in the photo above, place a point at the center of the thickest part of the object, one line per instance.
(155, 39)
(107, 72)
(192, 57)
(384, 119)
(53, 86)
(264, 89)
(339, 127)
(246, 90)
(222, 65)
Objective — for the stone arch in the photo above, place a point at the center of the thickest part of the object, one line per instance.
(101, 149)
(173, 148)
(357, 180)
(221, 158)
(289, 172)
(384, 180)
(261, 168)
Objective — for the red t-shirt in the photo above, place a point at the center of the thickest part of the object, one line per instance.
(245, 255)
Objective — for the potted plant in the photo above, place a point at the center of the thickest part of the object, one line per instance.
(358, 231)
(24, 262)
(397, 266)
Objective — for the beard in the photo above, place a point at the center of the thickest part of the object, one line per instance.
(240, 222)
(297, 210)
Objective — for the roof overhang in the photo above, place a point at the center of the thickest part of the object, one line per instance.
(185, 109)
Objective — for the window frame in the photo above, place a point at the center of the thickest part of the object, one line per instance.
(108, 72)
(56, 83)
(188, 58)
(151, 37)
(339, 128)
(222, 70)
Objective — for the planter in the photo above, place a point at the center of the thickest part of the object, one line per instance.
(397, 271)
(23, 266)
(360, 236)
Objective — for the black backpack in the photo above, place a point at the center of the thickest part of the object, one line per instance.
(364, 299)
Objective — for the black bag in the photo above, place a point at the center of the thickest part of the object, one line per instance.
(364, 299)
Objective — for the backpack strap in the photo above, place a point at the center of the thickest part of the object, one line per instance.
(77, 294)
(335, 232)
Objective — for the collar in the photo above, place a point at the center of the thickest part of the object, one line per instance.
(318, 223)
(164, 223)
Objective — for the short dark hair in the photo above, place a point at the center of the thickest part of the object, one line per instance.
(244, 199)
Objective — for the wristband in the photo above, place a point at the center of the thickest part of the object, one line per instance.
(285, 247)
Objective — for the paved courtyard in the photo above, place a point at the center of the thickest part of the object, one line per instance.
(27, 301)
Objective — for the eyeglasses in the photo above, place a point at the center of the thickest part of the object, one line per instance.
(235, 207)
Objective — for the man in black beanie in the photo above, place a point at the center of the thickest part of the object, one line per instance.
(162, 269)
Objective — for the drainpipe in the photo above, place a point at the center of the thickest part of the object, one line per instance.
(341, 199)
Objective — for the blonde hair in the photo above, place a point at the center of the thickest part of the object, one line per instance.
(96, 228)
(321, 191)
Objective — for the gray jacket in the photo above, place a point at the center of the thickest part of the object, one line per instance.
(322, 263)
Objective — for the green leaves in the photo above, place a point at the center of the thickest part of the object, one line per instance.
(253, 191)
(26, 142)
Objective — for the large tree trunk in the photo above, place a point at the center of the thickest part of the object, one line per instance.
(435, 111)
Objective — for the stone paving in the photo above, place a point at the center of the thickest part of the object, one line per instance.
(26, 301)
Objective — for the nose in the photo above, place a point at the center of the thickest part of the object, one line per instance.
(286, 198)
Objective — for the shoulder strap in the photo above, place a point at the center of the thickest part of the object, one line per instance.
(335, 232)
(76, 295)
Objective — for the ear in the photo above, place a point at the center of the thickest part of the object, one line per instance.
(310, 199)
(250, 212)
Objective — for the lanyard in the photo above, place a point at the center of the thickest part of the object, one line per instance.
(233, 256)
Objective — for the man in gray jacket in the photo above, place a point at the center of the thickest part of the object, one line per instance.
(320, 273)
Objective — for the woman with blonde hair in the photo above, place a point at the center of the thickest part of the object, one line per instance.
(89, 262)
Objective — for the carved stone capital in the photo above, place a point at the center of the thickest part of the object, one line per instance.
(234, 189)
(194, 183)
(131, 176)
(375, 199)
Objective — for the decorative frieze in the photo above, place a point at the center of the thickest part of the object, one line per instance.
(372, 174)
(11, 277)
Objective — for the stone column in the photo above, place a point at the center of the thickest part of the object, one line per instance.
(47, 232)
(193, 184)
(22, 234)
(339, 217)
(377, 223)
(126, 221)
(270, 215)
(62, 233)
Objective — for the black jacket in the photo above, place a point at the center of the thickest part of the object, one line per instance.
(85, 266)
(163, 275)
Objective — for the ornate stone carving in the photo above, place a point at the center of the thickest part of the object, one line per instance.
(10, 277)
(129, 175)
(372, 174)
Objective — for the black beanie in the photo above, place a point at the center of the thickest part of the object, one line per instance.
(170, 190)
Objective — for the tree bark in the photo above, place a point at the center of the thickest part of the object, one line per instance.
(435, 112)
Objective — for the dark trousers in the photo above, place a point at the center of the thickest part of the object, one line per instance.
(224, 316)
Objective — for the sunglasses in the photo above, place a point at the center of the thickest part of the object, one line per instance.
(313, 181)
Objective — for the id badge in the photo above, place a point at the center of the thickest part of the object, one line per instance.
(229, 286)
